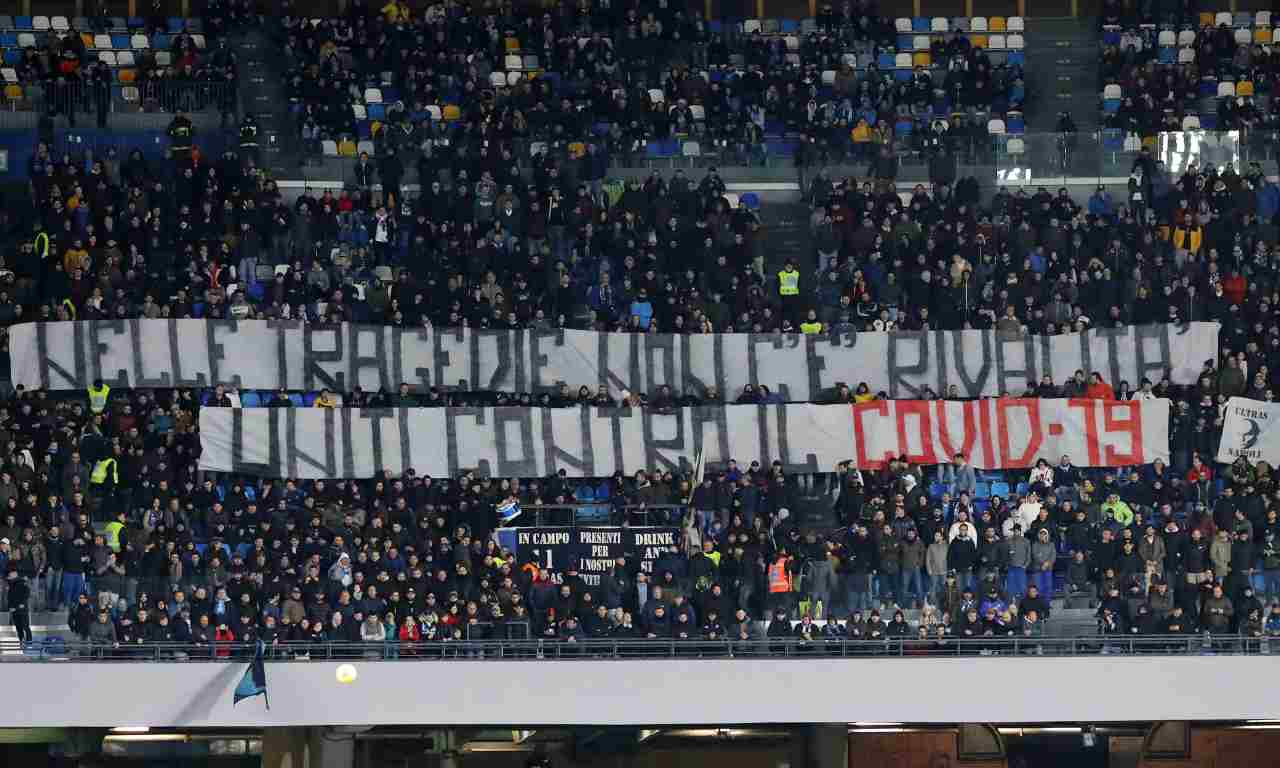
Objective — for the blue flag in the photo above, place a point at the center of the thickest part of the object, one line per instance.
(508, 510)
(254, 681)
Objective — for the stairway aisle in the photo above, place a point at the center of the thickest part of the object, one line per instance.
(261, 71)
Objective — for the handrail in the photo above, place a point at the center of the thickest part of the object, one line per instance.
(636, 648)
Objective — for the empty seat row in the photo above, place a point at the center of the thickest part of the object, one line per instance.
(941, 24)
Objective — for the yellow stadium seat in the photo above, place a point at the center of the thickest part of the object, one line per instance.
(1262, 36)
(1150, 142)
(128, 75)
(347, 148)
(1244, 88)
(996, 24)
(452, 112)
(576, 150)
(921, 59)
(512, 44)
(978, 41)
(13, 92)
(87, 39)
(1206, 19)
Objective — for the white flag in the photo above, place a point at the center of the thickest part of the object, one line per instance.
(1251, 429)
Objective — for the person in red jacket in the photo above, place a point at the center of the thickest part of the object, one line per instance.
(1099, 389)
(223, 637)
(1234, 287)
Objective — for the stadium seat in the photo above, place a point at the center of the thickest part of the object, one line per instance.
(996, 43)
(13, 92)
(1223, 19)
(120, 42)
(978, 24)
(102, 42)
(1112, 91)
(902, 25)
(372, 96)
(1167, 38)
(59, 24)
(108, 58)
(751, 26)
(1226, 89)
(139, 42)
(329, 147)
(1262, 19)
(1244, 88)
(978, 41)
(26, 40)
(199, 41)
(995, 127)
(131, 94)
(1186, 56)
(125, 59)
(922, 59)
(751, 200)
(902, 61)
(920, 43)
(163, 59)
(451, 113)
(1187, 37)
(1000, 489)
(1016, 42)
(997, 24)
(770, 26)
(1243, 36)
(1191, 123)
(23, 23)
(1016, 24)
(9, 74)
(939, 24)
(982, 489)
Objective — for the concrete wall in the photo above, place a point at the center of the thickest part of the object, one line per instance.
(650, 692)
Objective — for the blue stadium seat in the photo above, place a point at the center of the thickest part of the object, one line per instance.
(1023, 488)
(175, 25)
(1111, 37)
(903, 127)
(920, 24)
(23, 23)
(137, 22)
(885, 61)
(716, 27)
(584, 493)
(905, 42)
(250, 399)
(296, 399)
(781, 148)
(377, 111)
(364, 130)
(201, 548)
(309, 399)
(9, 40)
(937, 489)
(1015, 125)
(1000, 489)
(1168, 55)
(751, 200)
(1209, 121)
(160, 41)
(1113, 140)
(1016, 59)
(982, 490)
(1110, 106)
(902, 75)
(790, 26)
(120, 42)
(13, 56)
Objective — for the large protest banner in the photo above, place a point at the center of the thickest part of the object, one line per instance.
(590, 550)
(264, 354)
(596, 442)
(1250, 428)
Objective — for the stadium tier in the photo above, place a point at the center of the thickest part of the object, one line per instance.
(539, 396)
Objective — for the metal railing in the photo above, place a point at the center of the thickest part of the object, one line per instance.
(152, 95)
(604, 512)
(616, 649)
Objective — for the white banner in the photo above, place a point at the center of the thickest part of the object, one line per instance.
(591, 442)
(262, 354)
(1251, 428)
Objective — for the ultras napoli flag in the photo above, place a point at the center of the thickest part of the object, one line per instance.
(1250, 428)
(254, 681)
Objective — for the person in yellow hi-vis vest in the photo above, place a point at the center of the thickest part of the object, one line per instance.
(111, 531)
(811, 325)
(98, 394)
(789, 292)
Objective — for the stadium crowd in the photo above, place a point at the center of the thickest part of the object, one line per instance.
(611, 83)
(186, 556)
